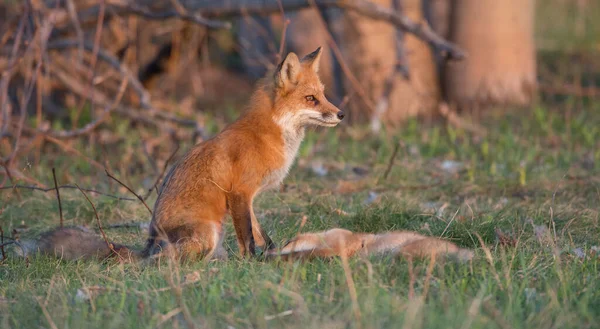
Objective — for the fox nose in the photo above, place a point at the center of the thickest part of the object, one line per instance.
(341, 115)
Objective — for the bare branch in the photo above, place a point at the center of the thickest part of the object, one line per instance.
(179, 12)
(367, 8)
(262, 7)
(161, 174)
(36, 188)
(110, 60)
(129, 189)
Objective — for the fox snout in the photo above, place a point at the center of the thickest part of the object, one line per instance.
(339, 114)
(330, 116)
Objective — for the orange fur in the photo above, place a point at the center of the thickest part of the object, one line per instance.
(225, 174)
(340, 242)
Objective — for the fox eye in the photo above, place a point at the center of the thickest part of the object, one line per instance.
(310, 98)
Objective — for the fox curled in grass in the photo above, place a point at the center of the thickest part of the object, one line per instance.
(225, 173)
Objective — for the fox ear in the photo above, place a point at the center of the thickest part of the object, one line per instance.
(287, 72)
(313, 59)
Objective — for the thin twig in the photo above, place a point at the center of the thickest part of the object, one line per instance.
(58, 197)
(400, 68)
(356, 85)
(129, 189)
(110, 245)
(94, 59)
(73, 150)
(78, 30)
(179, 12)
(36, 188)
(65, 134)
(454, 119)
(8, 73)
(110, 60)
(2, 244)
(286, 22)
(392, 159)
(164, 169)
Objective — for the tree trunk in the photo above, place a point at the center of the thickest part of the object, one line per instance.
(305, 33)
(501, 67)
(369, 48)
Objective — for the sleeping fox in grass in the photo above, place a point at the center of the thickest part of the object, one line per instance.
(340, 242)
(224, 174)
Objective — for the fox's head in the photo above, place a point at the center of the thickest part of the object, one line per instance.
(299, 98)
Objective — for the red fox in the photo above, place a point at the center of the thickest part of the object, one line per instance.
(340, 242)
(224, 174)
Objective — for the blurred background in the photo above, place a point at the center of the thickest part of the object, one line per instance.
(84, 79)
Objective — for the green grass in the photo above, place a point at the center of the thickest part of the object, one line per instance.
(535, 177)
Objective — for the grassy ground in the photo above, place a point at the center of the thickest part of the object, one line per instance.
(530, 189)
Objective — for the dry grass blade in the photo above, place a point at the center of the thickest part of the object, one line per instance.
(46, 314)
(301, 304)
(178, 292)
(351, 288)
(490, 259)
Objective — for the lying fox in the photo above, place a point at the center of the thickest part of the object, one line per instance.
(341, 242)
(224, 174)
(74, 243)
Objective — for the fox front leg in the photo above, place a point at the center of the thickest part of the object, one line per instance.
(240, 207)
(261, 237)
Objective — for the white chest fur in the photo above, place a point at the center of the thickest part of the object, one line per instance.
(292, 138)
